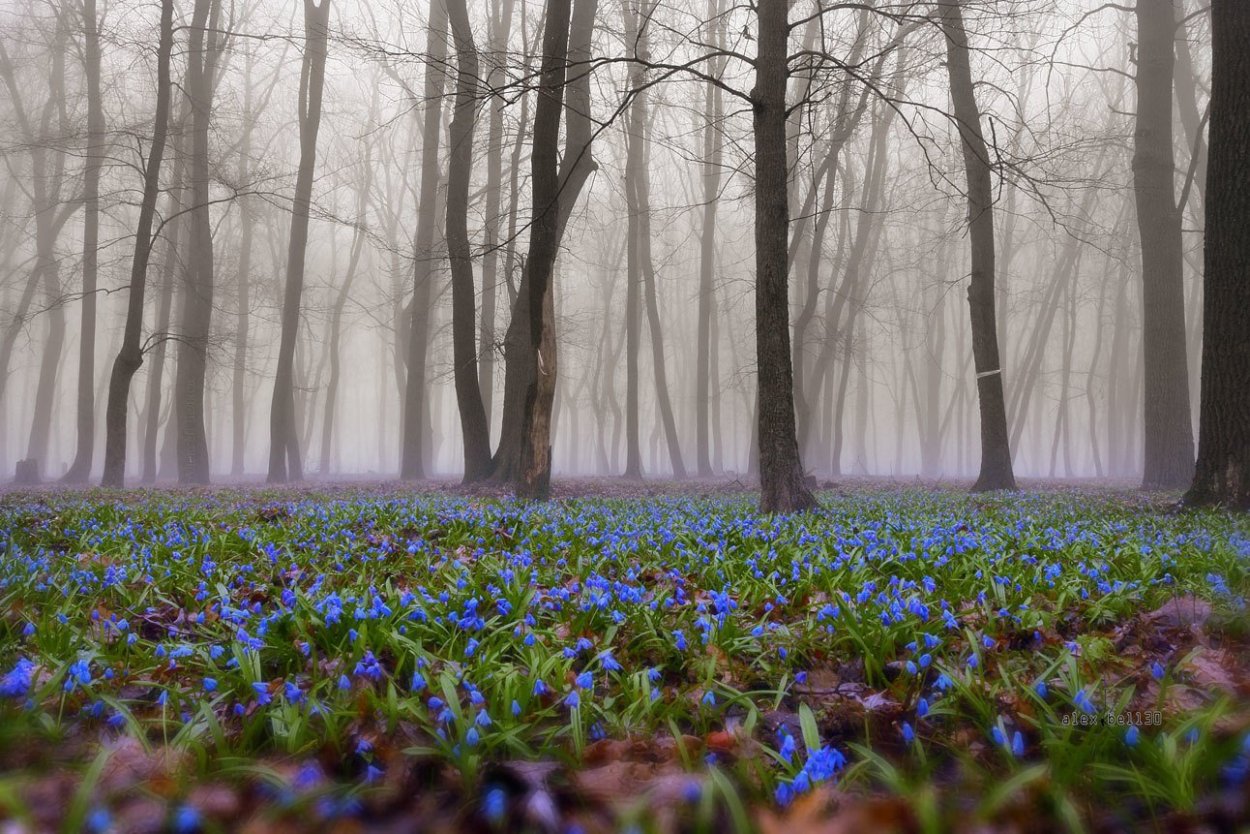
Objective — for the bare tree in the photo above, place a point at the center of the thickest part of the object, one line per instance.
(130, 357)
(996, 471)
(284, 452)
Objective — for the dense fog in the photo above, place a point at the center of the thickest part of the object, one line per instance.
(654, 284)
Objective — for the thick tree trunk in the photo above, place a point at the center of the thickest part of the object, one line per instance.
(996, 471)
(474, 426)
(130, 356)
(80, 469)
(284, 448)
(412, 450)
(1222, 474)
(782, 487)
(1169, 443)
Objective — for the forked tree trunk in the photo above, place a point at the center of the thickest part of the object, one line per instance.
(284, 448)
(1222, 475)
(534, 481)
(996, 471)
(130, 357)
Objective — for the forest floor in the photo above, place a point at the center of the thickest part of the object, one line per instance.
(630, 656)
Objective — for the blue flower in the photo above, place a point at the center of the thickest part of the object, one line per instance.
(1157, 671)
(1132, 735)
(572, 700)
(495, 805)
(17, 681)
(585, 681)
(186, 820)
(909, 735)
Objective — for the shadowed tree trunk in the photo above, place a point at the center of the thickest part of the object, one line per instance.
(474, 427)
(1169, 443)
(1222, 475)
(782, 487)
(130, 357)
(284, 450)
(412, 454)
(996, 471)
(80, 469)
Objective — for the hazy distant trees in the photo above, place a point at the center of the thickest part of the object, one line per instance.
(432, 274)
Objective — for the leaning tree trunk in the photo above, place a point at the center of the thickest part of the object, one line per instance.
(284, 451)
(412, 455)
(130, 357)
(782, 487)
(474, 427)
(195, 317)
(1169, 442)
(1222, 475)
(996, 472)
(80, 469)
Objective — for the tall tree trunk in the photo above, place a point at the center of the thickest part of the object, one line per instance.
(1169, 443)
(284, 447)
(412, 452)
(474, 425)
(782, 487)
(996, 472)
(578, 163)
(195, 317)
(80, 469)
(534, 481)
(1222, 475)
(130, 356)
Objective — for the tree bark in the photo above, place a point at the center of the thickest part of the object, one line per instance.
(1222, 475)
(782, 487)
(714, 107)
(996, 471)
